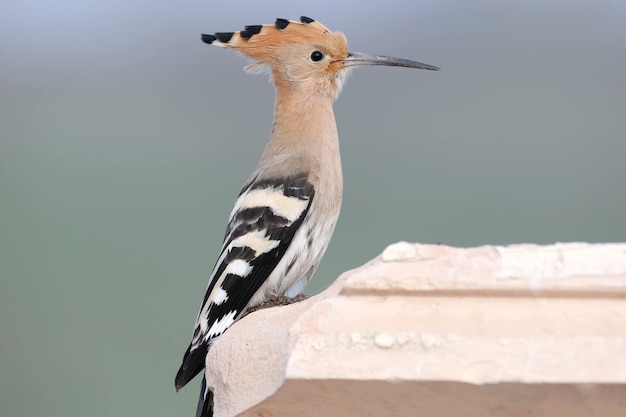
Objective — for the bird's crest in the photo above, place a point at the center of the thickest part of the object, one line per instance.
(261, 42)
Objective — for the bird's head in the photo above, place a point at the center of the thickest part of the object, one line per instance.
(302, 55)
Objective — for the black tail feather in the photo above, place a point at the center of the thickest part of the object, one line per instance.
(193, 363)
(205, 402)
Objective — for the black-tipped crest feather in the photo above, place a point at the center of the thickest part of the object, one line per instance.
(208, 38)
(250, 30)
(224, 37)
(281, 23)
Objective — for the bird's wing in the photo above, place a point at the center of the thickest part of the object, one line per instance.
(261, 227)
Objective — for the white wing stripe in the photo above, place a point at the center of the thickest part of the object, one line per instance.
(288, 207)
(238, 267)
(257, 241)
(220, 326)
(219, 296)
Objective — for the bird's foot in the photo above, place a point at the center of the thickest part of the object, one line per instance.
(277, 300)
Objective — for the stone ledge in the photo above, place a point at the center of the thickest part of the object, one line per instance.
(433, 330)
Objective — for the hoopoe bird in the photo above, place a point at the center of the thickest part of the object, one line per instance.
(286, 212)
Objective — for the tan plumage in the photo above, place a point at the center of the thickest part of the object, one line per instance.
(271, 45)
(286, 212)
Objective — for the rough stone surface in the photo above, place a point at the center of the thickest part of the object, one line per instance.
(431, 330)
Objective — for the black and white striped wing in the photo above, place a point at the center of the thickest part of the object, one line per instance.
(261, 227)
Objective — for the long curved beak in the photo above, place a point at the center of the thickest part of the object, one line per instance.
(357, 58)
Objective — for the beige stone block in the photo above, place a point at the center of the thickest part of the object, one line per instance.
(430, 330)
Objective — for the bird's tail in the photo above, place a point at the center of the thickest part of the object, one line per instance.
(205, 402)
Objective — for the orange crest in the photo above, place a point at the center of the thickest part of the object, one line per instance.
(262, 42)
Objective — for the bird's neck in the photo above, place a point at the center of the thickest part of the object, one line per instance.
(301, 117)
(304, 126)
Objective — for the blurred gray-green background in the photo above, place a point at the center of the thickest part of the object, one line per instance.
(124, 141)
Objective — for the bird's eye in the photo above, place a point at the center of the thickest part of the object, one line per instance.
(316, 56)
